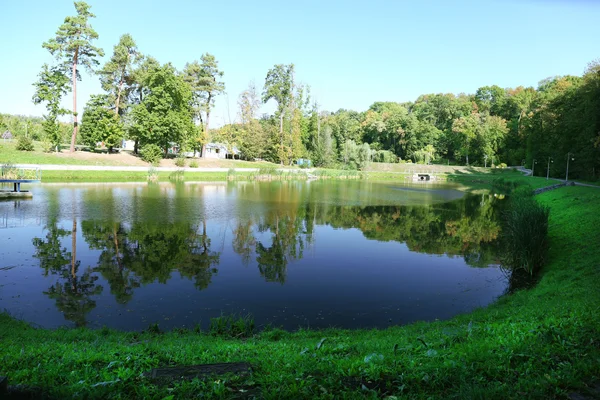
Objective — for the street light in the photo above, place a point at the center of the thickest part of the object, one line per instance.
(533, 166)
(548, 170)
(569, 154)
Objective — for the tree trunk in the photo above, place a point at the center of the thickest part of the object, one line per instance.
(118, 97)
(281, 135)
(206, 125)
(74, 253)
(116, 242)
(121, 86)
(74, 136)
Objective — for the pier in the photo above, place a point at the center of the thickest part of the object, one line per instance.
(17, 176)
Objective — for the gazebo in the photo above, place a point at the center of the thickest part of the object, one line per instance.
(7, 135)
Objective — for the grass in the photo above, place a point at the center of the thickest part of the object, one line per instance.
(538, 343)
(525, 232)
(10, 154)
(128, 176)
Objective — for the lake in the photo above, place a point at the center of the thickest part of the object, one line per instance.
(351, 254)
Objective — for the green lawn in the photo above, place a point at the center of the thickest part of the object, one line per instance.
(9, 154)
(125, 176)
(539, 343)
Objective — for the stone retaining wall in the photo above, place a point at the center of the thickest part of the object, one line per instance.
(548, 188)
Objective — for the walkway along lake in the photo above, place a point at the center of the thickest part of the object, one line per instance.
(291, 254)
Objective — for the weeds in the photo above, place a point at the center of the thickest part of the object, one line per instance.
(177, 176)
(525, 233)
(152, 175)
(232, 326)
(180, 161)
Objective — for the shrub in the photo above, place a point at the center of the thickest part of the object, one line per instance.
(47, 146)
(180, 161)
(177, 176)
(152, 154)
(25, 144)
(193, 164)
(525, 233)
(501, 185)
(152, 174)
(232, 326)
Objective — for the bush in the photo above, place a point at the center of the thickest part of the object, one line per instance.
(525, 233)
(193, 164)
(503, 186)
(152, 154)
(180, 161)
(47, 146)
(25, 144)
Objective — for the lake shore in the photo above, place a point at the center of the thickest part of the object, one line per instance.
(537, 343)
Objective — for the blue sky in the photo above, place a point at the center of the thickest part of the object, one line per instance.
(351, 53)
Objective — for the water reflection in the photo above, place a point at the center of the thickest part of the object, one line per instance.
(143, 236)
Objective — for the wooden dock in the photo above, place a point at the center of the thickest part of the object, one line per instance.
(17, 176)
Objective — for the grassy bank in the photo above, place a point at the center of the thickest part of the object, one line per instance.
(540, 343)
(473, 180)
(125, 176)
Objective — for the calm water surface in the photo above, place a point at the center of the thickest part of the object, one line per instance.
(293, 254)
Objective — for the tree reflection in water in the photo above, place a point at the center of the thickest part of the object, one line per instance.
(143, 250)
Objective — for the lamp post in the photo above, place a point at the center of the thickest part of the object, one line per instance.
(569, 154)
(533, 166)
(548, 170)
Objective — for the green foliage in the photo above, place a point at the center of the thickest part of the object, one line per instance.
(204, 80)
(193, 164)
(116, 76)
(177, 176)
(180, 161)
(72, 46)
(152, 154)
(25, 143)
(73, 40)
(232, 326)
(165, 114)
(52, 85)
(356, 156)
(525, 232)
(504, 185)
(100, 124)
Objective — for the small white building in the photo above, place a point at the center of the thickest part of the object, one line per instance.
(128, 145)
(219, 150)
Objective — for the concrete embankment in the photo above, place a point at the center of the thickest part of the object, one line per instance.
(548, 188)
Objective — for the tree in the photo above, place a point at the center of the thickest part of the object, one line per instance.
(52, 85)
(73, 45)
(100, 123)
(165, 114)
(253, 137)
(203, 77)
(118, 70)
(465, 129)
(279, 87)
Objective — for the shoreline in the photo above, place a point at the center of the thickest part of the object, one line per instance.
(540, 342)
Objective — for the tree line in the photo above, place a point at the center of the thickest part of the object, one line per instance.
(157, 105)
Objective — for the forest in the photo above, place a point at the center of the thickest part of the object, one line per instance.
(158, 106)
